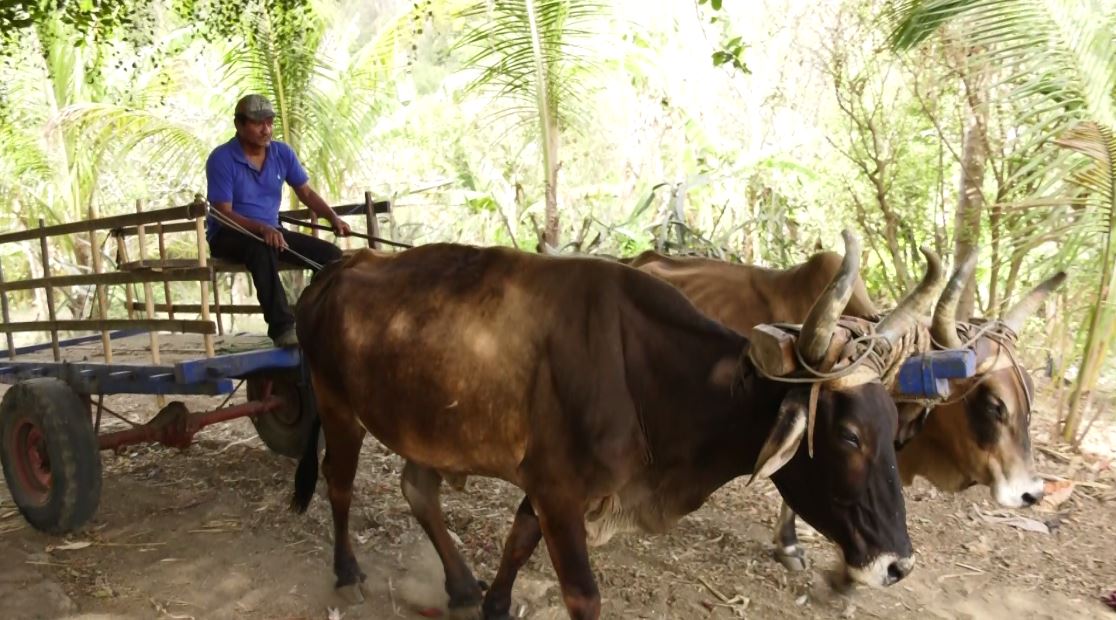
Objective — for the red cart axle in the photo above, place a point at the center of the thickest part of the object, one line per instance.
(175, 426)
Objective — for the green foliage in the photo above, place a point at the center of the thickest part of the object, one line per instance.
(732, 54)
(232, 18)
(664, 127)
(101, 19)
(503, 47)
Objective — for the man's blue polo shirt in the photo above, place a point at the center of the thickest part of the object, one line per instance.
(255, 194)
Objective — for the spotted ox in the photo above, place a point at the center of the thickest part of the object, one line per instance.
(602, 393)
(979, 435)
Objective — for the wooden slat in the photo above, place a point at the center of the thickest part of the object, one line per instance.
(167, 325)
(168, 228)
(189, 211)
(158, 264)
(356, 208)
(217, 264)
(196, 308)
(380, 206)
(120, 277)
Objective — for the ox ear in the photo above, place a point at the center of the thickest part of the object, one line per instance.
(912, 417)
(786, 435)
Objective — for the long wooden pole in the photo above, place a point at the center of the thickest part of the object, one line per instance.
(217, 303)
(44, 251)
(373, 226)
(129, 289)
(102, 297)
(149, 301)
(199, 231)
(6, 316)
(163, 265)
(148, 289)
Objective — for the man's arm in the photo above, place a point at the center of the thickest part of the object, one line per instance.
(310, 198)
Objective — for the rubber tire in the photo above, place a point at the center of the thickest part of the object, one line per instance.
(71, 445)
(284, 431)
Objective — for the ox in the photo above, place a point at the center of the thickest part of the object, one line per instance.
(602, 393)
(979, 435)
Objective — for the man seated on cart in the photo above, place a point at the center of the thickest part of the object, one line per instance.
(245, 179)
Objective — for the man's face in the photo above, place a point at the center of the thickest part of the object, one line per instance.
(256, 133)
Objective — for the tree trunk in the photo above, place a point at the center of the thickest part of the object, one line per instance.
(995, 220)
(1101, 330)
(552, 227)
(970, 200)
(891, 237)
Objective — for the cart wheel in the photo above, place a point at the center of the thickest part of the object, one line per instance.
(51, 458)
(286, 429)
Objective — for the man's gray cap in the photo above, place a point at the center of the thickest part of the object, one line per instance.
(254, 107)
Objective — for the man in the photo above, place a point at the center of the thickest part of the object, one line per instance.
(245, 179)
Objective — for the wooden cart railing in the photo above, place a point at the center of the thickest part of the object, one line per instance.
(151, 268)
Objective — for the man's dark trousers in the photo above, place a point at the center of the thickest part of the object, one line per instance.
(263, 263)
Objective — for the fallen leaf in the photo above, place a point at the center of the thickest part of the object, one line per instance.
(70, 546)
(1110, 599)
(429, 612)
(1023, 523)
(104, 592)
(1056, 491)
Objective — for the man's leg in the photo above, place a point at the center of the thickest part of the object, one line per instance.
(318, 250)
(262, 262)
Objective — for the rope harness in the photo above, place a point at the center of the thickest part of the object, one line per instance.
(864, 348)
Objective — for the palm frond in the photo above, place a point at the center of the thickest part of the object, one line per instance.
(1059, 51)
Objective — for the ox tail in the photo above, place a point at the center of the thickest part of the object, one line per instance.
(306, 476)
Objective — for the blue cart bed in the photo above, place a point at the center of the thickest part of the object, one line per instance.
(184, 369)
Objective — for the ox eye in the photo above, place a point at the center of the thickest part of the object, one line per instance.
(850, 437)
(997, 409)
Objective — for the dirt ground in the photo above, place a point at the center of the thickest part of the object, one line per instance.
(205, 533)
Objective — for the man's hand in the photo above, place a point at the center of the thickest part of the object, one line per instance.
(272, 237)
(340, 228)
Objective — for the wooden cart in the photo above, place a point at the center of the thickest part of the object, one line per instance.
(51, 418)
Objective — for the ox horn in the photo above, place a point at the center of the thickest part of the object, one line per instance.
(944, 326)
(817, 329)
(1018, 313)
(905, 316)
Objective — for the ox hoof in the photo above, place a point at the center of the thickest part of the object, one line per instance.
(792, 558)
(351, 594)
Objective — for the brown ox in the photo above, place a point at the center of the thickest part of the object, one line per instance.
(597, 389)
(980, 435)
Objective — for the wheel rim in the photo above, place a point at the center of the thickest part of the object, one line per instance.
(290, 412)
(287, 414)
(32, 460)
